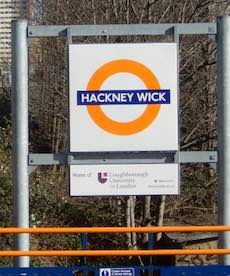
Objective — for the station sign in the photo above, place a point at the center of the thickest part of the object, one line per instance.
(125, 179)
(123, 97)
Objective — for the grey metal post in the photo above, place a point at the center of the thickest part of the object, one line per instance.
(20, 135)
(223, 76)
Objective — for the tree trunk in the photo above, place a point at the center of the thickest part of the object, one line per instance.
(147, 217)
(160, 219)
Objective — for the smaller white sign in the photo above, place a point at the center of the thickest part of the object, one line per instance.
(125, 179)
(117, 271)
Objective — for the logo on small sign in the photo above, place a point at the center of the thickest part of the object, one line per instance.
(102, 177)
(105, 272)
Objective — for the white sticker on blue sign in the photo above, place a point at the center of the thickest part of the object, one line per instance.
(123, 271)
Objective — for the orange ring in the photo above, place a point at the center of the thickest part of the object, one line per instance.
(123, 66)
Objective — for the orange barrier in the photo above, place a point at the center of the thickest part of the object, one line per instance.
(152, 229)
(157, 252)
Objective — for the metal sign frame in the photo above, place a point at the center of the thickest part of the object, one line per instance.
(24, 163)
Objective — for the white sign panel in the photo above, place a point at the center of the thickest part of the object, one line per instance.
(132, 179)
(123, 97)
(116, 271)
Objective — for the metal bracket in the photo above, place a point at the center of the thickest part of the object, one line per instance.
(69, 36)
(176, 35)
(36, 159)
(121, 29)
(174, 32)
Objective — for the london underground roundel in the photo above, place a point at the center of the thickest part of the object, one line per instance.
(123, 97)
(138, 124)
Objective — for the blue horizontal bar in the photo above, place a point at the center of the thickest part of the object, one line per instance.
(123, 97)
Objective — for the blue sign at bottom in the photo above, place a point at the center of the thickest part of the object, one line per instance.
(118, 271)
(210, 270)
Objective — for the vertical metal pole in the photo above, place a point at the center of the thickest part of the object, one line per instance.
(223, 77)
(84, 241)
(151, 243)
(20, 135)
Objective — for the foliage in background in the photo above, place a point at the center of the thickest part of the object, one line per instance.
(6, 206)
